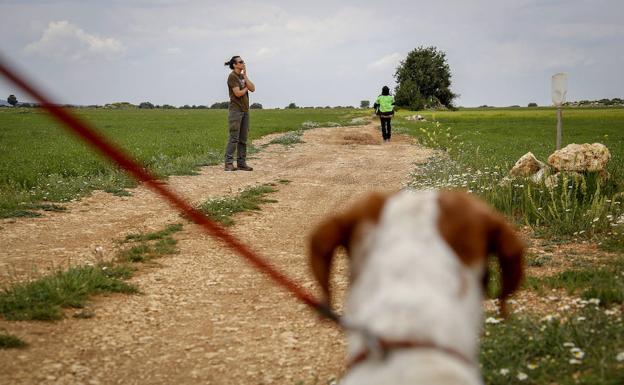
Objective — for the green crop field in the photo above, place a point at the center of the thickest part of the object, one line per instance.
(41, 162)
(502, 135)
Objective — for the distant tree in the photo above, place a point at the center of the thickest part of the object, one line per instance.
(146, 105)
(365, 104)
(12, 100)
(220, 105)
(424, 80)
(532, 104)
(514, 106)
(256, 106)
(186, 107)
(168, 107)
(292, 106)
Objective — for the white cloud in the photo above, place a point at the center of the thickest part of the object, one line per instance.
(63, 40)
(388, 62)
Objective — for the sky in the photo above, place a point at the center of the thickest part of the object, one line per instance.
(312, 53)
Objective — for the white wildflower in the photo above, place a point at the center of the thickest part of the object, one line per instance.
(594, 301)
(613, 311)
(577, 353)
(492, 320)
(574, 361)
(568, 344)
(620, 357)
(580, 319)
(532, 366)
(522, 376)
(505, 371)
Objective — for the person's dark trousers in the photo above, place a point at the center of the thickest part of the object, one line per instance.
(386, 129)
(238, 122)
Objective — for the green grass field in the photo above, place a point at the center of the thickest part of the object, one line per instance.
(40, 161)
(502, 135)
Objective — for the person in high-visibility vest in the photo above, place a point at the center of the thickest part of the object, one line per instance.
(384, 107)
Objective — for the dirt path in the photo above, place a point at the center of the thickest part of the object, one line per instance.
(204, 317)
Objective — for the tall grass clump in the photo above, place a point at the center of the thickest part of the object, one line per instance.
(9, 341)
(44, 298)
(222, 209)
(144, 247)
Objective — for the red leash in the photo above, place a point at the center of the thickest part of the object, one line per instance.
(132, 167)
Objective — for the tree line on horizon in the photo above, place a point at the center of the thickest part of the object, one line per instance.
(423, 81)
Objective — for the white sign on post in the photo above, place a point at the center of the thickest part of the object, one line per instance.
(559, 88)
(559, 93)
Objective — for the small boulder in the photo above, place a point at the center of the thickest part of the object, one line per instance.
(418, 118)
(580, 157)
(528, 165)
(552, 181)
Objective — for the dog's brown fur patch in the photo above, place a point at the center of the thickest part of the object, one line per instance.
(474, 231)
(338, 231)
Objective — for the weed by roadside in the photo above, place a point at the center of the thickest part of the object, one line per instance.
(9, 341)
(288, 139)
(44, 298)
(170, 229)
(222, 209)
(146, 247)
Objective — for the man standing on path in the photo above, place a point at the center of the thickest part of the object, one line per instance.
(239, 86)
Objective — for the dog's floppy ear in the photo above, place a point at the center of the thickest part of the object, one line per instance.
(505, 243)
(337, 231)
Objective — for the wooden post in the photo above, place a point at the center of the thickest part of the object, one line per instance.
(558, 145)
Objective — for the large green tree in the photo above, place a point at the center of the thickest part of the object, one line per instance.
(424, 80)
(12, 100)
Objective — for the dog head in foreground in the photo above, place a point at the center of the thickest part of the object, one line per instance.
(418, 263)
